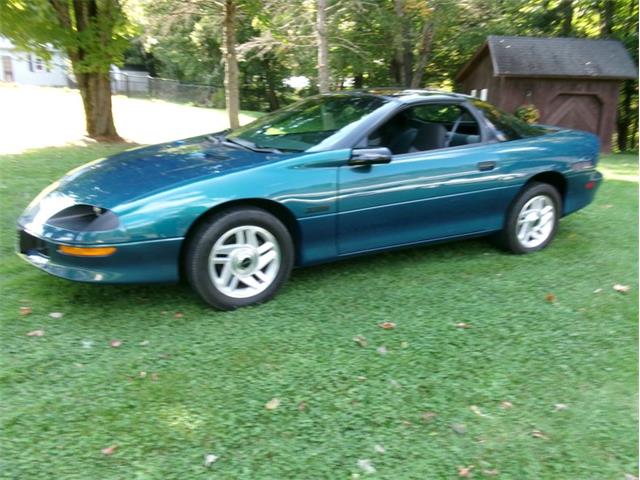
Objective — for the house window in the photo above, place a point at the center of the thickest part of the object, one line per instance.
(484, 93)
(473, 92)
(30, 59)
(39, 64)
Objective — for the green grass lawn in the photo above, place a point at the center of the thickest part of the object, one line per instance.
(568, 367)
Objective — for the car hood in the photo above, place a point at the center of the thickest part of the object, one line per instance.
(133, 174)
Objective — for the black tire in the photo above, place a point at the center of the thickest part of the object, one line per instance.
(508, 237)
(201, 244)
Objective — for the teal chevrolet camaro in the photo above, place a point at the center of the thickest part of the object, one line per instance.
(326, 178)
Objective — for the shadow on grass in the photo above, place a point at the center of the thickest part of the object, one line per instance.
(333, 275)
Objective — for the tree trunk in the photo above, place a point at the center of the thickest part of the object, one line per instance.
(624, 115)
(323, 47)
(272, 96)
(566, 12)
(423, 54)
(95, 89)
(358, 80)
(606, 18)
(399, 66)
(231, 87)
(82, 18)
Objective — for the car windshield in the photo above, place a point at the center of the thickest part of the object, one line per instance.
(305, 124)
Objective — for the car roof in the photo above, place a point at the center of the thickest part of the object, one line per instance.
(405, 95)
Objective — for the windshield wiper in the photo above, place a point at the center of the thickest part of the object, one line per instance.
(221, 140)
(250, 145)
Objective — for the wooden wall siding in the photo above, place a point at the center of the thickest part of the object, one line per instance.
(584, 104)
(482, 77)
(573, 103)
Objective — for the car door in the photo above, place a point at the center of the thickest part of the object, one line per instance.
(419, 196)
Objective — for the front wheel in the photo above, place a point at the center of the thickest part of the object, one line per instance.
(240, 257)
(532, 220)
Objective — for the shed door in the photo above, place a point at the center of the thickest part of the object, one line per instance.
(578, 111)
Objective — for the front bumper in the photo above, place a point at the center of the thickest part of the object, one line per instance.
(152, 261)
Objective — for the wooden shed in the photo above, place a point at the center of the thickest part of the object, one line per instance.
(573, 82)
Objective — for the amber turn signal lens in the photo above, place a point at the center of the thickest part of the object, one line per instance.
(87, 251)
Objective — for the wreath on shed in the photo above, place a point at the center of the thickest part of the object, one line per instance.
(528, 113)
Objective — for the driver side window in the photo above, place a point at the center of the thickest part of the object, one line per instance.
(426, 127)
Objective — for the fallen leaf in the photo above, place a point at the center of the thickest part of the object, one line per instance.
(361, 378)
(407, 423)
(115, 343)
(629, 476)
(379, 448)
(463, 325)
(25, 310)
(597, 290)
(154, 377)
(302, 406)
(382, 350)
(87, 343)
(550, 297)
(209, 459)
(459, 428)
(538, 434)
(506, 404)
(477, 411)
(360, 340)
(387, 325)
(427, 416)
(404, 344)
(366, 465)
(621, 288)
(272, 404)
(491, 473)
(109, 450)
(144, 343)
(465, 472)
(35, 333)
(395, 383)
(178, 315)
(560, 406)
(56, 314)
(142, 374)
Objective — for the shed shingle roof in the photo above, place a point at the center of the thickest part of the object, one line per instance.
(554, 57)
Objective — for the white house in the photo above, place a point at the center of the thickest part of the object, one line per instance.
(27, 69)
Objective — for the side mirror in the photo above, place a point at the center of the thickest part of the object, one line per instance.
(370, 156)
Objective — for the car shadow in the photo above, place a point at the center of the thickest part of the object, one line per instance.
(177, 296)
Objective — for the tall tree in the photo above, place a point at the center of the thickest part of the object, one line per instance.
(607, 10)
(191, 24)
(323, 47)
(566, 15)
(231, 86)
(93, 34)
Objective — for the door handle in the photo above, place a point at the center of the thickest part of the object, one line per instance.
(485, 166)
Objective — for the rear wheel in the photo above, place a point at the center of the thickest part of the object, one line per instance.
(238, 258)
(532, 220)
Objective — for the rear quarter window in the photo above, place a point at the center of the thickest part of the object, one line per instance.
(507, 127)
